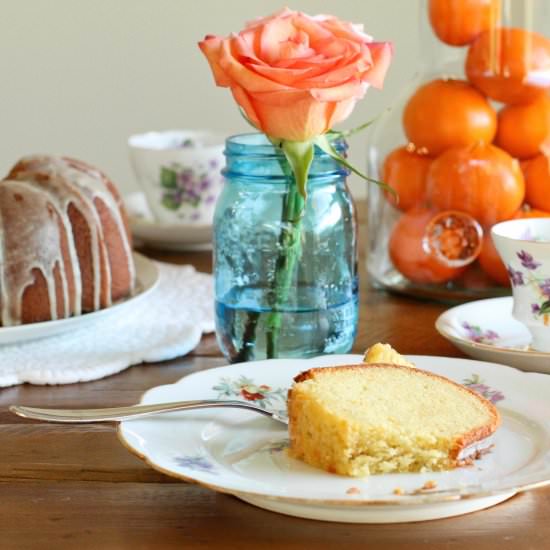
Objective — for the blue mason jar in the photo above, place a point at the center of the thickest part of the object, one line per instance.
(286, 281)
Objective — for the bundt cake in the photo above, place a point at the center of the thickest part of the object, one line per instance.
(379, 418)
(65, 247)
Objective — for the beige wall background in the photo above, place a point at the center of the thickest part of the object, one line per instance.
(79, 76)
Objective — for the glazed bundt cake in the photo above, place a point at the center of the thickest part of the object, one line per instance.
(65, 247)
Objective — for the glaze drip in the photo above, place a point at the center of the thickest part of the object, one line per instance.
(38, 232)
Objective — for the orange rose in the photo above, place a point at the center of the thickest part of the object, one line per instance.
(294, 75)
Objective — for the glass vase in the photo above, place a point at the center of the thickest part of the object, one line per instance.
(285, 269)
(465, 146)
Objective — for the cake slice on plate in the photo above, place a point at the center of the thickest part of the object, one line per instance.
(379, 418)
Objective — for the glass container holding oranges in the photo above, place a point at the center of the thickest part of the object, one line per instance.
(467, 146)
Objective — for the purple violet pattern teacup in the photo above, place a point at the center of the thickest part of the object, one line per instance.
(524, 247)
(180, 173)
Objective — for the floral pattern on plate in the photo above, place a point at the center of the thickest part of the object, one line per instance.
(476, 383)
(266, 397)
(476, 334)
(197, 463)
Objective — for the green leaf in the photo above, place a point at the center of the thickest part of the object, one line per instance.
(337, 134)
(323, 142)
(545, 308)
(170, 202)
(168, 178)
(299, 155)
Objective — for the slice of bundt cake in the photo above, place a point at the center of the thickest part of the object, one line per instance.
(65, 247)
(368, 419)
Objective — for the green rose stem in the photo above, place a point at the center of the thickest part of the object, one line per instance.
(290, 251)
(298, 157)
(290, 247)
(295, 166)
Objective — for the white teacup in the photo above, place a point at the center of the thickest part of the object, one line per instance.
(524, 246)
(180, 173)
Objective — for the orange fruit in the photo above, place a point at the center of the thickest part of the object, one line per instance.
(454, 238)
(524, 130)
(490, 262)
(409, 255)
(459, 22)
(447, 113)
(405, 170)
(523, 165)
(531, 213)
(506, 63)
(481, 180)
(537, 183)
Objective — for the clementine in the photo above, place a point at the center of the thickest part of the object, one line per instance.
(481, 180)
(509, 65)
(405, 170)
(531, 213)
(454, 238)
(409, 255)
(524, 130)
(459, 22)
(537, 183)
(446, 113)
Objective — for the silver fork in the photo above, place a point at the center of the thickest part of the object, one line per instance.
(134, 411)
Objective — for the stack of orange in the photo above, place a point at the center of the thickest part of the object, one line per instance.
(465, 159)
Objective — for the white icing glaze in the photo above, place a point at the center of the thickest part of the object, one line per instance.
(30, 236)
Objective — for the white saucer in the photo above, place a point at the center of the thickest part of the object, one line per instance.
(176, 237)
(486, 330)
(243, 454)
(147, 276)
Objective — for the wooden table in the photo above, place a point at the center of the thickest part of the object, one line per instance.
(77, 487)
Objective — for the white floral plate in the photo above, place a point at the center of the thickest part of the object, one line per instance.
(174, 237)
(147, 278)
(241, 453)
(486, 330)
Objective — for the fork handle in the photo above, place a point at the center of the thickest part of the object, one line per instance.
(127, 413)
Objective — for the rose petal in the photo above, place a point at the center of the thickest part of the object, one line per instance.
(275, 33)
(381, 57)
(240, 75)
(353, 89)
(318, 61)
(210, 47)
(314, 30)
(336, 77)
(344, 29)
(297, 117)
(288, 77)
(342, 110)
(243, 100)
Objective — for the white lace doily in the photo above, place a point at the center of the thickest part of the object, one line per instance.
(167, 323)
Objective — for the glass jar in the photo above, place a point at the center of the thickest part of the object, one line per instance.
(293, 277)
(465, 147)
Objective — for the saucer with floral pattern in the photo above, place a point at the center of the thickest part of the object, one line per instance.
(486, 330)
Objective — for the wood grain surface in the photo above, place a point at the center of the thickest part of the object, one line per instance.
(64, 487)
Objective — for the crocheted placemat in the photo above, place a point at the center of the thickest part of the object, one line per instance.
(167, 323)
